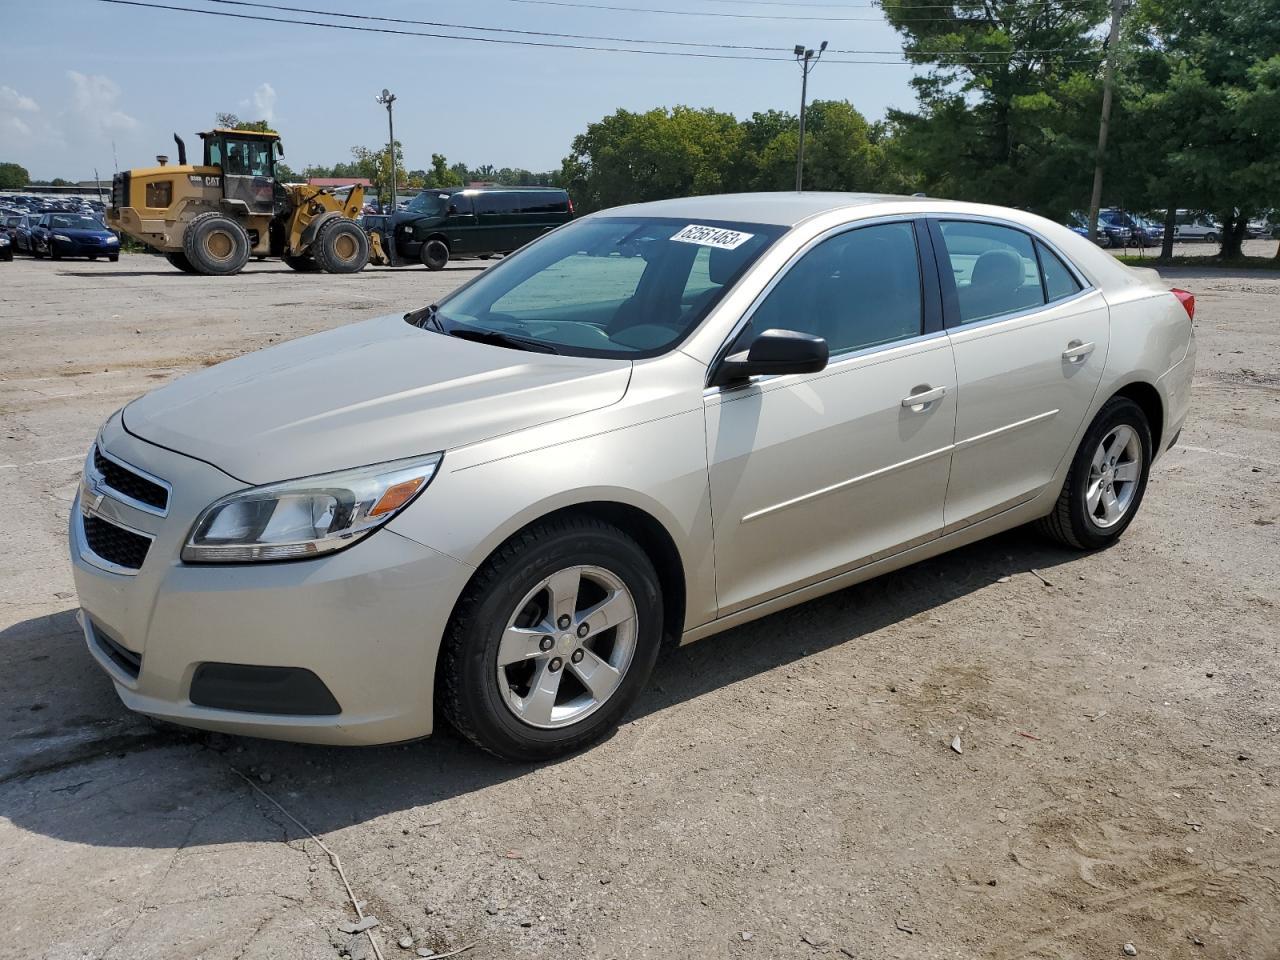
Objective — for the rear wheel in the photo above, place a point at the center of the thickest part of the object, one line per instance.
(179, 260)
(1107, 480)
(553, 640)
(341, 246)
(216, 245)
(435, 254)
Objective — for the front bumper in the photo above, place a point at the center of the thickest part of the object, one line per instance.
(365, 621)
(84, 248)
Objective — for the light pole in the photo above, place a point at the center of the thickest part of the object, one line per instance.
(807, 59)
(388, 98)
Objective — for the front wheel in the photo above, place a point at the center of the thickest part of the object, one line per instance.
(341, 246)
(1107, 479)
(552, 641)
(1210, 238)
(435, 254)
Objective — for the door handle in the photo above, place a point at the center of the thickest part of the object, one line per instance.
(920, 399)
(1076, 351)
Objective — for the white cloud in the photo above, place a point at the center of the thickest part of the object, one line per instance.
(95, 99)
(263, 103)
(11, 101)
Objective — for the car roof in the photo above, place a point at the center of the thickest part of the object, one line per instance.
(781, 209)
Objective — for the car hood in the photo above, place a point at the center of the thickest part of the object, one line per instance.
(81, 233)
(365, 393)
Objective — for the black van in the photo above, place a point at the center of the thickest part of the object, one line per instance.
(456, 222)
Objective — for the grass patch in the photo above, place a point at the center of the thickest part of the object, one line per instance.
(1204, 263)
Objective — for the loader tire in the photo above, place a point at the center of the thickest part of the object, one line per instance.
(303, 264)
(180, 261)
(341, 246)
(216, 245)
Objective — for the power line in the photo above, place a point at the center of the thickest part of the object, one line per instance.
(493, 40)
(609, 39)
(765, 16)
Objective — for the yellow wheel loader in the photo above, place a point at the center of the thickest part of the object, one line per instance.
(213, 217)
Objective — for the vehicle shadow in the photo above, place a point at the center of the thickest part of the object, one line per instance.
(89, 772)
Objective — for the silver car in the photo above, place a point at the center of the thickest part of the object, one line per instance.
(659, 421)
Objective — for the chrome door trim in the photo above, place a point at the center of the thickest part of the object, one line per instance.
(912, 218)
(844, 484)
(1085, 284)
(990, 434)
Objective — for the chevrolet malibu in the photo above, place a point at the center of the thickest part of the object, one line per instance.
(656, 422)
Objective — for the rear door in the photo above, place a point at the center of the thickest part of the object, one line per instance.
(1030, 340)
(815, 474)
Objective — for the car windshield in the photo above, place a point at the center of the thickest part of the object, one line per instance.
(626, 287)
(75, 223)
(432, 204)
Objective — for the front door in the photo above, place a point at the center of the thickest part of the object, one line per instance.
(247, 173)
(815, 474)
(1030, 342)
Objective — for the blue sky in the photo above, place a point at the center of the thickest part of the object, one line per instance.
(76, 75)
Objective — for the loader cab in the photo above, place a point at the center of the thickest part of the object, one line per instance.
(247, 159)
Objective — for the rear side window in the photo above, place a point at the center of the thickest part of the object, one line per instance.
(1059, 282)
(857, 290)
(994, 267)
(495, 203)
(544, 201)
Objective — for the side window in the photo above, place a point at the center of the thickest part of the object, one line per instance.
(1059, 282)
(856, 290)
(494, 203)
(215, 153)
(459, 205)
(995, 269)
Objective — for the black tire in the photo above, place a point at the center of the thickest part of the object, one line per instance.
(180, 261)
(303, 264)
(1210, 238)
(341, 246)
(114, 258)
(53, 251)
(216, 245)
(1071, 523)
(467, 687)
(35, 251)
(435, 254)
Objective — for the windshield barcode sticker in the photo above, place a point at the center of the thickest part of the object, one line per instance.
(712, 237)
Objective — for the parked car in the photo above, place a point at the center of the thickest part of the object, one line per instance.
(1127, 230)
(440, 225)
(19, 231)
(664, 419)
(1198, 228)
(6, 247)
(1078, 223)
(58, 235)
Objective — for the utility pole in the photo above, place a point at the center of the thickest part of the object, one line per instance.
(388, 98)
(807, 59)
(1113, 44)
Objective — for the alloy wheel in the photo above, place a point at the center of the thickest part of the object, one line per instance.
(1113, 476)
(567, 648)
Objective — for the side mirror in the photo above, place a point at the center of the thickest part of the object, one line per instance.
(775, 352)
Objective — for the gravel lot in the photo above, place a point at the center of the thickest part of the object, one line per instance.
(786, 789)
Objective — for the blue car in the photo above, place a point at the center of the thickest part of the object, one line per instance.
(58, 235)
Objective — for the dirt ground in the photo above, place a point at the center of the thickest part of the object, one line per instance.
(786, 789)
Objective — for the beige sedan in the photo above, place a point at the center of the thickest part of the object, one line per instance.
(658, 421)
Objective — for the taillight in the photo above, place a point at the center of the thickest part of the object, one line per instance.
(571, 206)
(1188, 301)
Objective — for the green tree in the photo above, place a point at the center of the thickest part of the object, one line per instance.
(1008, 103)
(441, 174)
(628, 157)
(13, 176)
(1203, 79)
(230, 121)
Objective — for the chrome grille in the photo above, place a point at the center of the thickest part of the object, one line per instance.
(132, 485)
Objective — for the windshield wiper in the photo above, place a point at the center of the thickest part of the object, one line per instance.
(500, 339)
(428, 318)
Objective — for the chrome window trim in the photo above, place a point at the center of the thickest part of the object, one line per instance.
(1017, 314)
(100, 483)
(85, 552)
(832, 368)
(786, 268)
(1086, 286)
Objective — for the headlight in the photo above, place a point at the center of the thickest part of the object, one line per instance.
(113, 240)
(62, 237)
(307, 517)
